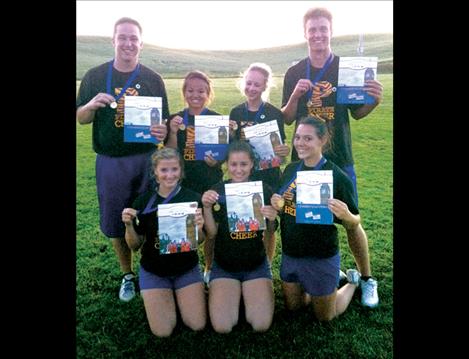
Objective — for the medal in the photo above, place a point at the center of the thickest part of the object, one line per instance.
(182, 127)
(281, 203)
(216, 207)
(131, 78)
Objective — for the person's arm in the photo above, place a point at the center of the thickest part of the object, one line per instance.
(86, 113)
(270, 213)
(199, 221)
(172, 140)
(342, 212)
(208, 200)
(375, 89)
(133, 239)
(211, 227)
(289, 111)
(291, 108)
(234, 130)
(269, 233)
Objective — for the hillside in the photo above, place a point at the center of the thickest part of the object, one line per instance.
(93, 50)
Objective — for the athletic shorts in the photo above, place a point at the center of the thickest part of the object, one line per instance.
(147, 280)
(318, 276)
(119, 180)
(261, 271)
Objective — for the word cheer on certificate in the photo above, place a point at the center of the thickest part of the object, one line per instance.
(177, 230)
(140, 113)
(353, 72)
(314, 188)
(211, 136)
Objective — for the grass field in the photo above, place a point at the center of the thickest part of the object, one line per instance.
(108, 328)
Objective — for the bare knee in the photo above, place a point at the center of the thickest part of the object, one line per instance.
(162, 331)
(261, 325)
(196, 325)
(222, 329)
(223, 326)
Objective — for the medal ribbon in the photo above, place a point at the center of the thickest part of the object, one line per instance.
(152, 200)
(259, 112)
(185, 117)
(318, 75)
(319, 165)
(131, 78)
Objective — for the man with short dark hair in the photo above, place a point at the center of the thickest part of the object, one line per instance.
(122, 169)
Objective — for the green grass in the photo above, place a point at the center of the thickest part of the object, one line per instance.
(107, 328)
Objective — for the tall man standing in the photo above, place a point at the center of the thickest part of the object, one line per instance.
(309, 89)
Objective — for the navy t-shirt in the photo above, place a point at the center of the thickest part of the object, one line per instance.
(237, 251)
(151, 259)
(315, 240)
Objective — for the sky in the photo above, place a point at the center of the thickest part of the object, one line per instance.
(230, 25)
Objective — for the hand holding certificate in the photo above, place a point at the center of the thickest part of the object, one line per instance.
(353, 72)
(140, 114)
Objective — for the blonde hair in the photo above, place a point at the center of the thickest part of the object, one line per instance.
(265, 70)
(166, 153)
(315, 13)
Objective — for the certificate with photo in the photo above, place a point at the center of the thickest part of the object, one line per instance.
(353, 72)
(314, 188)
(177, 230)
(140, 113)
(243, 206)
(264, 137)
(211, 136)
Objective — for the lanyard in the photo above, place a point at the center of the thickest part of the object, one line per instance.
(319, 74)
(131, 78)
(259, 113)
(185, 118)
(152, 200)
(319, 165)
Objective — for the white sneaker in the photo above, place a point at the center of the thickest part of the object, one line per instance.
(127, 290)
(353, 276)
(369, 293)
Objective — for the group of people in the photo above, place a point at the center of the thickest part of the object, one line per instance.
(235, 266)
